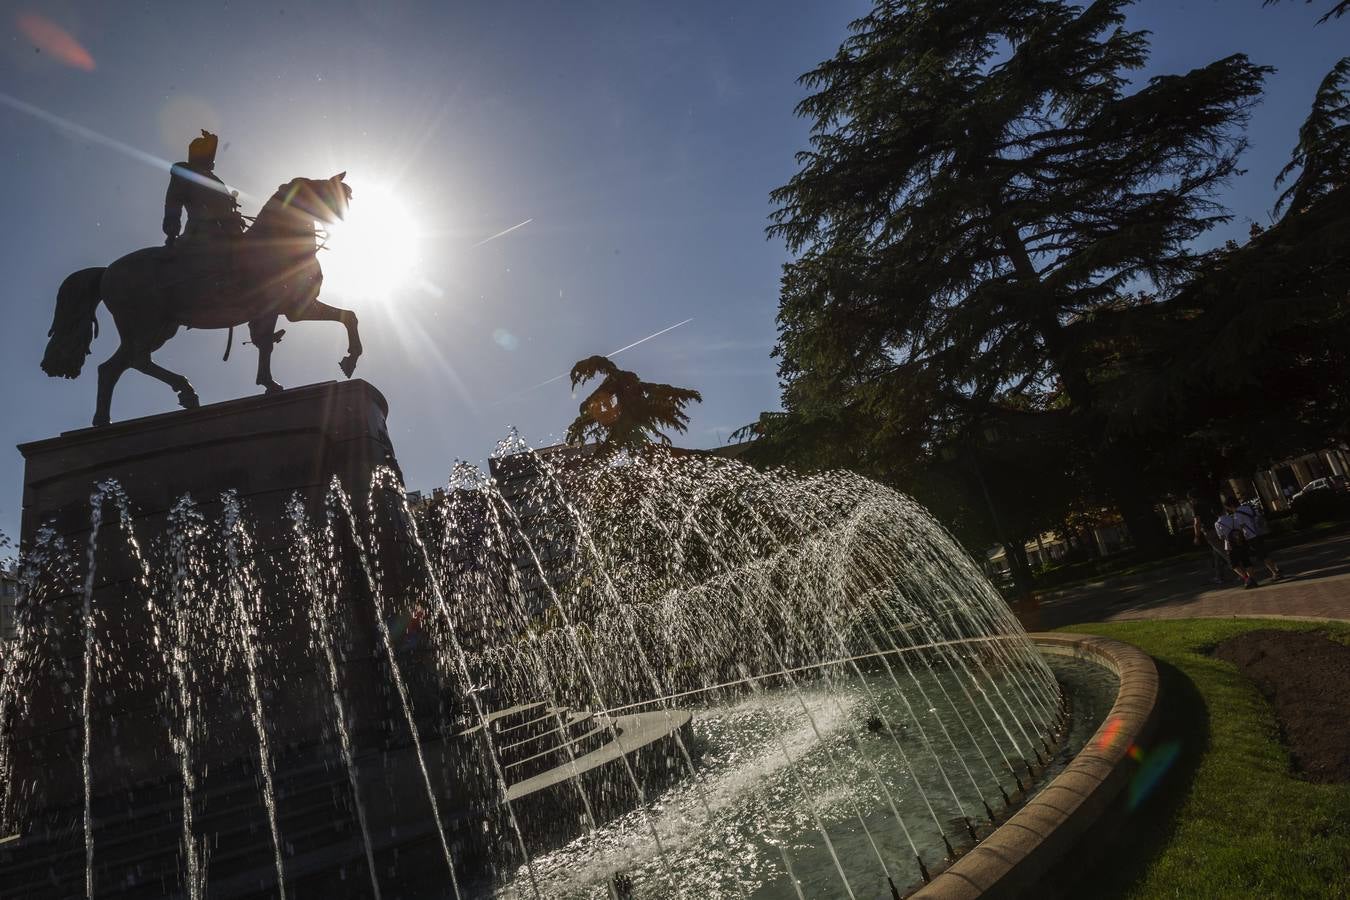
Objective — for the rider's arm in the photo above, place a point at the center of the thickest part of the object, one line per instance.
(174, 202)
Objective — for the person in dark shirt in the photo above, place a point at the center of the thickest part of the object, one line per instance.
(1203, 514)
(193, 186)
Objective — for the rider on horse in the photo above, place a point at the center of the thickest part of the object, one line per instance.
(220, 281)
(212, 210)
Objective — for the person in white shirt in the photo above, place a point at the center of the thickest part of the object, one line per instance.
(1249, 513)
(1236, 534)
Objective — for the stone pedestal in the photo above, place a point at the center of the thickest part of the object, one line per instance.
(266, 449)
(263, 447)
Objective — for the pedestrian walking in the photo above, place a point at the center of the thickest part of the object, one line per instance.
(1236, 535)
(1252, 516)
(1203, 515)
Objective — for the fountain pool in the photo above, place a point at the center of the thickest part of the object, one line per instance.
(760, 840)
(566, 676)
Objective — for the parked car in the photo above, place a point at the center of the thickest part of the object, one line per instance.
(1317, 484)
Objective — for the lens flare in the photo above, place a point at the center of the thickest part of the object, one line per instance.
(55, 41)
(1153, 765)
(376, 251)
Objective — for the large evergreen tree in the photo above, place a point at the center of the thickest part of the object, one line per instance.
(985, 189)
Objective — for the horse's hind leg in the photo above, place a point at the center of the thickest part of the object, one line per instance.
(187, 397)
(264, 335)
(108, 373)
(317, 311)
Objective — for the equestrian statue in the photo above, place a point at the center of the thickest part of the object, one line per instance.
(212, 274)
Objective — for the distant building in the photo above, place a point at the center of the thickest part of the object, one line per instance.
(9, 594)
(536, 523)
(1109, 536)
(456, 550)
(535, 486)
(1273, 485)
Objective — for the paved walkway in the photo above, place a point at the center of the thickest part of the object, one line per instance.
(1316, 582)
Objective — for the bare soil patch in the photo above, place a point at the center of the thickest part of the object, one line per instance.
(1306, 677)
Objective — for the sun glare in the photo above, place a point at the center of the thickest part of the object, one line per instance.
(374, 252)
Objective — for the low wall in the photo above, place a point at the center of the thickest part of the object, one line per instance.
(1019, 853)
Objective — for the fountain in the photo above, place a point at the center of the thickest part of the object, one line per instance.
(568, 676)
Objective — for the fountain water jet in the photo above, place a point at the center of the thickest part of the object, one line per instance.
(246, 609)
(545, 638)
(338, 497)
(321, 600)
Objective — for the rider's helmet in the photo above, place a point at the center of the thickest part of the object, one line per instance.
(202, 151)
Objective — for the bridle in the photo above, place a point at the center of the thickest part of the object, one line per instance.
(318, 233)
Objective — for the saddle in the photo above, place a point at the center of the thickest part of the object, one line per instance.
(211, 261)
(217, 268)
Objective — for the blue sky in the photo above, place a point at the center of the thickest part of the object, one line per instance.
(641, 140)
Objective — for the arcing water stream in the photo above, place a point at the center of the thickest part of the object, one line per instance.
(504, 672)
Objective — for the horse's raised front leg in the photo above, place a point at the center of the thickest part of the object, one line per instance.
(263, 333)
(187, 397)
(108, 373)
(318, 311)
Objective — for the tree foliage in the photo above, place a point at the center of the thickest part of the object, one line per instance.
(1321, 159)
(1250, 357)
(995, 231)
(987, 199)
(1248, 360)
(1338, 9)
(624, 412)
(981, 182)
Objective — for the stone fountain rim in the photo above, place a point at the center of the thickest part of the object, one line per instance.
(1023, 849)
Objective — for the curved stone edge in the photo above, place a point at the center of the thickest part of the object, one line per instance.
(1022, 850)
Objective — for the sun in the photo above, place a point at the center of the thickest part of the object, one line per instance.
(375, 252)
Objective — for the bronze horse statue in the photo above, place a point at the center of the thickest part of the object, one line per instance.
(269, 271)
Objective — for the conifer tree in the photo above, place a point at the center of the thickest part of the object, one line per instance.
(1248, 360)
(985, 189)
(1321, 159)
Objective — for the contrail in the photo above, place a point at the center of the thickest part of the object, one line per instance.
(500, 233)
(657, 334)
(77, 130)
(649, 337)
(613, 352)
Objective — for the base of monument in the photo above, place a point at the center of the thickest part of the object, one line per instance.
(264, 448)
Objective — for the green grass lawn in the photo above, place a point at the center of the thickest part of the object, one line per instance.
(1229, 820)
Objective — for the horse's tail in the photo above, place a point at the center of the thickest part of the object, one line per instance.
(73, 326)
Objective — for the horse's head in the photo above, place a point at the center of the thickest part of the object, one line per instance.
(335, 194)
(306, 200)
